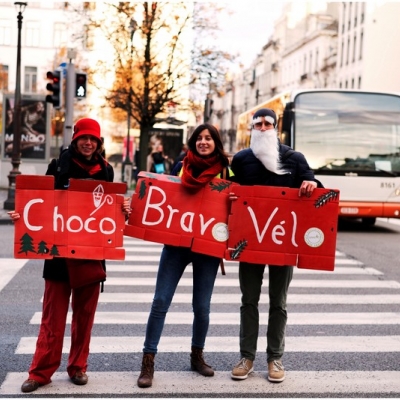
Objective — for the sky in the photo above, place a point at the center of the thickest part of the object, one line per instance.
(249, 27)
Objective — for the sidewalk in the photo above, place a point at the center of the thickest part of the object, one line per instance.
(4, 217)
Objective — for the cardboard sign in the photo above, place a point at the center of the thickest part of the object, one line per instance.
(273, 225)
(164, 212)
(86, 221)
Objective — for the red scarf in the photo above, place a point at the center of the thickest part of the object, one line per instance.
(205, 169)
(91, 166)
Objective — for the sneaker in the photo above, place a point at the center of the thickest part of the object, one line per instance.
(276, 372)
(242, 369)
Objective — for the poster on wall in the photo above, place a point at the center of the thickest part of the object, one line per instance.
(33, 123)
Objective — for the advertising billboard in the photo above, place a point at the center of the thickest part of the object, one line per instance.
(33, 123)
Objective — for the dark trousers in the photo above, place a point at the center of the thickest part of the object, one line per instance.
(251, 279)
(47, 357)
(173, 263)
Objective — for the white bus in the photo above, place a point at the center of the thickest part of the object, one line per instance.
(351, 140)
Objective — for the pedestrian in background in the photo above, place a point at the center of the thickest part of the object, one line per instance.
(267, 162)
(157, 161)
(205, 160)
(180, 156)
(66, 277)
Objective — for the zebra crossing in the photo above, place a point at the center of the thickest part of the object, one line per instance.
(341, 324)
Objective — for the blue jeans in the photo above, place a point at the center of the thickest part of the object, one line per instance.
(251, 279)
(173, 262)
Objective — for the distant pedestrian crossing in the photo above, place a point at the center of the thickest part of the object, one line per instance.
(350, 312)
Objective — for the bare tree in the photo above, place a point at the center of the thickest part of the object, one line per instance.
(157, 59)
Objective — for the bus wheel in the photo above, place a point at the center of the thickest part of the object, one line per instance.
(368, 221)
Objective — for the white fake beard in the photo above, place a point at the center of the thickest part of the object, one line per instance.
(265, 147)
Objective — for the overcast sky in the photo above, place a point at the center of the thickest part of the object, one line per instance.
(250, 26)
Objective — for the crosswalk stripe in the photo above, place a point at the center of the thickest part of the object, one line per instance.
(394, 221)
(223, 281)
(191, 384)
(185, 318)
(347, 261)
(142, 249)
(137, 245)
(230, 298)
(9, 267)
(230, 344)
(115, 267)
(134, 256)
(132, 242)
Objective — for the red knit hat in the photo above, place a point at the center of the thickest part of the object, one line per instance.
(87, 126)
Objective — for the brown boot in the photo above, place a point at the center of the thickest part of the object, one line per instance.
(198, 364)
(146, 375)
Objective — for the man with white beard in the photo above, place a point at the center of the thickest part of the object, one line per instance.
(270, 163)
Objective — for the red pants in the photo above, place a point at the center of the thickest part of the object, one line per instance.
(47, 357)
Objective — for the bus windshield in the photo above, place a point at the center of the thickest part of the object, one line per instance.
(343, 132)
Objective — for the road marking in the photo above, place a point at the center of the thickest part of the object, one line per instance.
(191, 384)
(134, 256)
(130, 242)
(231, 298)
(116, 267)
(185, 318)
(176, 344)
(394, 221)
(9, 267)
(143, 249)
(222, 281)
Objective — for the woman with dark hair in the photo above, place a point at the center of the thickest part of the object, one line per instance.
(205, 160)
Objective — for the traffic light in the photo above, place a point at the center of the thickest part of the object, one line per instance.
(56, 87)
(80, 85)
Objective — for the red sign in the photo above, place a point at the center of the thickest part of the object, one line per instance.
(273, 225)
(86, 221)
(265, 225)
(164, 212)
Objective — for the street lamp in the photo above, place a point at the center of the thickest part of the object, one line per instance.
(127, 164)
(9, 204)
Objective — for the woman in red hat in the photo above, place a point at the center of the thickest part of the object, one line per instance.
(81, 160)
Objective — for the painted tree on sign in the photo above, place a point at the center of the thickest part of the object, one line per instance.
(26, 244)
(54, 250)
(42, 248)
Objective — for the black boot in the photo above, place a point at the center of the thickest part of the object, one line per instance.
(146, 375)
(198, 364)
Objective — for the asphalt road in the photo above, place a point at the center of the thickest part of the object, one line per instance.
(337, 343)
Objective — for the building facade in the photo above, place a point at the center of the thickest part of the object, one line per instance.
(49, 30)
(45, 37)
(316, 45)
